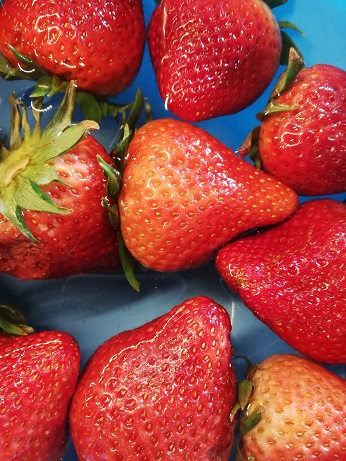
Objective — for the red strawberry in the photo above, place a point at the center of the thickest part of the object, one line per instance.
(301, 408)
(292, 277)
(163, 391)
(38, 375)
(52, 221)
(213, 57)
(185, 194)
(98, 44)
(303, 143)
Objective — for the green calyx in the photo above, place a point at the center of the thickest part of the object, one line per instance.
(26, 166)
(284, 83)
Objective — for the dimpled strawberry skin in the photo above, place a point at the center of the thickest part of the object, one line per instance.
(38, 375)
(163, 391)
(83, 241)
(99, 44)
(213, 58)
(292, 277)
(306, 147)
(185, 194)
(303, 412)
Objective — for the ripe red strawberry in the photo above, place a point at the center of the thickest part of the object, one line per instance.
(38, 375)
(305, 147)
(185, 194)
(302, 411)
(98, 44)
(162, 391)
(292, 277)
(52, 220)
(213, 57)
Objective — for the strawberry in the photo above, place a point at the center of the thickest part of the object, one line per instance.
(184, 194)
(38, 375)
(301, 140)
(292, 277)
(213, 57)
(98, 44)
(162, 391)
(52, 219)
(300, 410)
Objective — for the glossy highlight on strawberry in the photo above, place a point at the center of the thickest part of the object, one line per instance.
(98, 44)
(292, 277)
(162, 391)
(185, 194)
(53, 220)
(38, 375)
(213, 57)
(305, 146)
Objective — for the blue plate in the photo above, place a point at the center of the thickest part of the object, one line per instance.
(94, 308)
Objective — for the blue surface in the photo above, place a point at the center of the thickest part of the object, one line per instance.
(94, 308)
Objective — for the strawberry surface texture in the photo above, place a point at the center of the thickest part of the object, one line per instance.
(38, 375)
(82, 241)
(98, 44)
(54, 205)
(213, 58)
(303, 412)
(305, 146)
(184, 194)
(292, 277)
(162, 391)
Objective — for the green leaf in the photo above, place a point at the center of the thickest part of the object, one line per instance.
(126, 262)
(289, 25)
(13, 321)
(13, 213)
(113, 213)
(62, 143)
(30, 197)
(89, 105)
(295, 64)
(248, 422)
(41, 174)
(287, 44)
(244, 391)
(43, 87)
(113, 178)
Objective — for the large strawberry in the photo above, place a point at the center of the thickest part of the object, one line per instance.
(213, 57)
(292, 277)
(38, 375)
(185, 194)
(296, 410)
(53, 221)
(301, 140)
(98, 44)
(163, 391)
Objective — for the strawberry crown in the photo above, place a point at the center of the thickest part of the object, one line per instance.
(26, 166)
